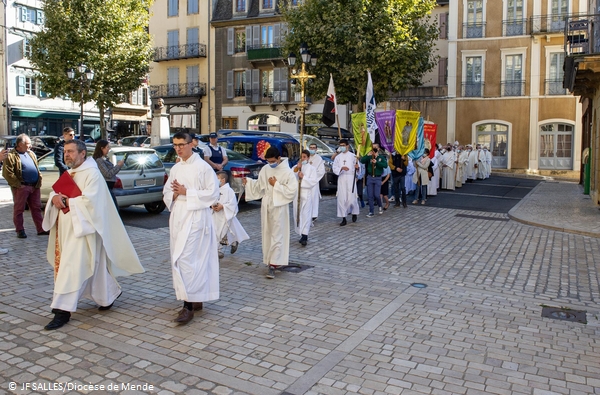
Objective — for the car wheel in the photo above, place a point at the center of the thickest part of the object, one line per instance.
(155, 207)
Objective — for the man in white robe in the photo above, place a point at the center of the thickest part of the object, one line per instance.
(434, 183)
(480, 163)
(277, 187)
(189, 194)
(345, 166)
(318, 163)
(488, 162)
(463, 160)
(471, 164)
(305, 172)
(228, 228)
(448, 163)
(88, 245)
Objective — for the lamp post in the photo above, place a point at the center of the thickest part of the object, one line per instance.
(85, 76)
(303, 77)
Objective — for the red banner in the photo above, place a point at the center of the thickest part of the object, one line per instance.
(429, 133)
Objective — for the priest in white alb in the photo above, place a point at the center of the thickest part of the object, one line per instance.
(448, 163)
(88, 245)
(277, 187)
(307, 175)
(345, 166)
(228, 228)
(189, 194)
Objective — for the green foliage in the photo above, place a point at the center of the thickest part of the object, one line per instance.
(393, 38)
(109, 36)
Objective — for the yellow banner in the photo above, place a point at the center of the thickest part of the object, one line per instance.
(407, 123)
(362, 141)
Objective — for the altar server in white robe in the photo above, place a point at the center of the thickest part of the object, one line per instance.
(88, 245)
(308, 174)
(345, 166)
(228, 228)
(190, 192)
(318, 163)
(448, 164)
(488, 162)
(480, 163)
(434, 183)
(463, 160)
(471, 162)
(277, 186)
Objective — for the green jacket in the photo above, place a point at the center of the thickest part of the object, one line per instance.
(12, 170)
(381, 164)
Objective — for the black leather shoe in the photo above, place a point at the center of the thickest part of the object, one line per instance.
(184, 316)
(344, 222)
(197, 306)
(354, 217)
(61, 317)
(44, 233)
(21, 234)
(104, 308)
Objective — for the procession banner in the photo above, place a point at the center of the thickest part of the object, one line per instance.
(371, 106)
(430, 134)
(362, 141)
(420, 146)
(405, 137)
(386, 123)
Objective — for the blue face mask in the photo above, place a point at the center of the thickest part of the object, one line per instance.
(304, 162)
(312, 151)
(273, 165)
(342, 149)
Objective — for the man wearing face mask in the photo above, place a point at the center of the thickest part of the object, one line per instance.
(471, 164)
(277, 187)
(317, 162)
(345, 167)
(305, 172)
(375, 163)
(448, 164)
(488, 162)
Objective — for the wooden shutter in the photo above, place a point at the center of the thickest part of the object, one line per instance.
(248, 37)
(442, 71)
(276, 80)
(39, 17)
(256, 36)
(248, 85)
(230, 35)
(21, 85)
(283, 84)
(23, 12)
(443, 25)
(230, 94)
(256, 86)
(276, 35)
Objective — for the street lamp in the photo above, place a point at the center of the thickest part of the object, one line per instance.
(303, 77)
(85, 77)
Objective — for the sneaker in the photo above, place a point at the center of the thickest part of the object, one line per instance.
(415, 201)
(380, 210)
(370, 215)
(271, 272)
(234, 247)
(3, 251)
(392, 199)
(221, 255)
(423, 202)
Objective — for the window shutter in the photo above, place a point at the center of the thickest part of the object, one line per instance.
(256, 36)
(230, 34)
(39, 17)
(283, 30)
(256, 86)
(230, 84)
(442, 71)
(134, 98)
(443, 26)
(21, 85)
(248, 37)
(42, 93)
(276, 81)
(23, 11)
(283, 84)
(248, 85)
(276, 34)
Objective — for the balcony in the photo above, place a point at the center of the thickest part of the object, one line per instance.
(264, 52)
(514, 27)
(582, 54)
(474, 30)
(264, 96)
(472, 89)
(552, 23)
(189, 89)
(513, 88)
(554, 88)
(175, 52)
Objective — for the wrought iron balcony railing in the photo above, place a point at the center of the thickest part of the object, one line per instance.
(474, 30)
(550, 23)
(513, 88)
(263, 96)
(514, 27)
(239, 92)
(178, 90)
(472, 89)
(174, 52)
(264, 52)
(555, 87)
(580, 37)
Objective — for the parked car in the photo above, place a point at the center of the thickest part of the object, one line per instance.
(329, 180)
(136, 141)
(41, 145)
(254, 144)
(140, 180)
(237, 167)
(331, 137)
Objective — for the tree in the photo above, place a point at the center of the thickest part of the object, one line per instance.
(110, 37)
(393, 38)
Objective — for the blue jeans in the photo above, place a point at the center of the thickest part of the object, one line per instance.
(422, 192)
(374, 192)
(399, 186)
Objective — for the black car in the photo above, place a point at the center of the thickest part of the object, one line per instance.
(38, 147)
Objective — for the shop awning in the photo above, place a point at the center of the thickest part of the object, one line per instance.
(16, 112)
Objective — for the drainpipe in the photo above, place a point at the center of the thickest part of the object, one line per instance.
(208, 91)
(5, 73)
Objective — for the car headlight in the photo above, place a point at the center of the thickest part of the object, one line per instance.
(328, 167)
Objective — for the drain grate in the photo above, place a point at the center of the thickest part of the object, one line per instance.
(481, 217)
(564, 314)
(295, 268)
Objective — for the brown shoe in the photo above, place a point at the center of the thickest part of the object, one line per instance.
(184, 316)
(197, 306)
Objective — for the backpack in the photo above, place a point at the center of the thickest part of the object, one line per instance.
(430, 170)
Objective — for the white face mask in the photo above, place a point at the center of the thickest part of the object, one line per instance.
(304, 162)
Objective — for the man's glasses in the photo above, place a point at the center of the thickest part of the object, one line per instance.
(180, 145)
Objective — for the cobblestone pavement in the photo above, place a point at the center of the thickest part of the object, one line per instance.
(351, 323)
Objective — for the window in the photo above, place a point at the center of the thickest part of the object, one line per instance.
(172, 7)
(192, 79)
(554, 83)
(560, 8)
(556, 146)
(239, 41)
(240, 5)
(474, 17)
(239, 83)
(266, 85)
(26, 48)
(513, 74)
(266, 36)
(230, 123)
(473, 82)
(30, 86)
(173, 44)
(192, 7)
(514, 25)
(192, 48)
(495, 137)
(266, 4)
(32, 15)
(173, 81)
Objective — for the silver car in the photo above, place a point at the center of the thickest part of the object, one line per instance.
(140, 180)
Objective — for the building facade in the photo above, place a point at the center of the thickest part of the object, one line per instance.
(502, 83)
(253, 84)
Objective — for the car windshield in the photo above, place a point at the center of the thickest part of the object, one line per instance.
(137, 160)
(322, 148)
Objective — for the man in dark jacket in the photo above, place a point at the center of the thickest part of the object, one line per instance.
(398, 167)
(59, 157)
(374, 162)
(23, 175)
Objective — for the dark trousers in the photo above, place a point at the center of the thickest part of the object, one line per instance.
(110, 185)
(374, 192)
(32, 197)
(398, 184)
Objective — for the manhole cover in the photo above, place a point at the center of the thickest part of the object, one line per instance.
(295, 268)
(559, 313)
(418, 285)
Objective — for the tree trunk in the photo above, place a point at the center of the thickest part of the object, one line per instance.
(102, 122)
